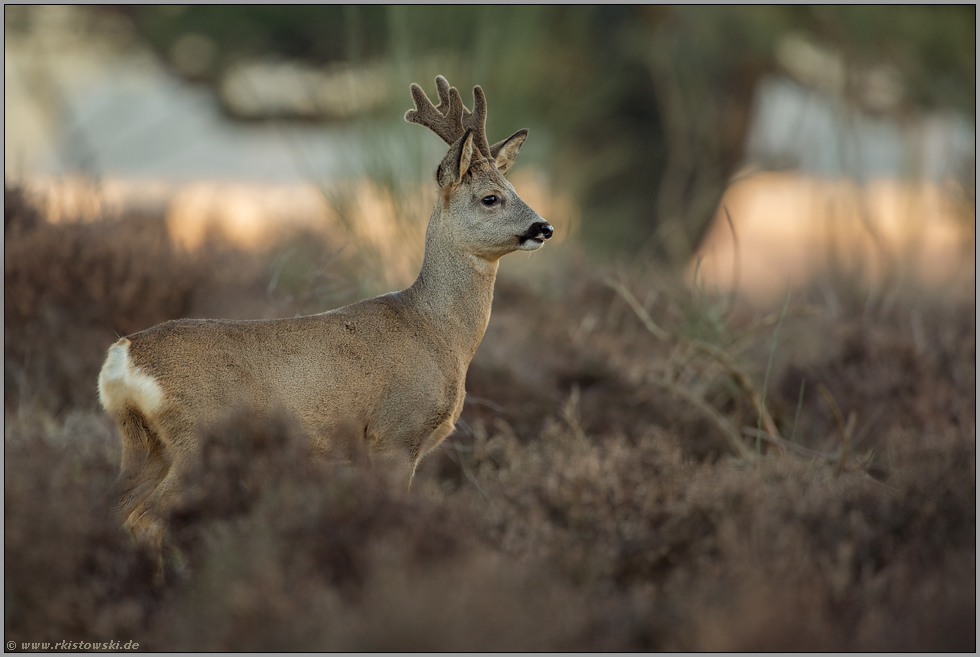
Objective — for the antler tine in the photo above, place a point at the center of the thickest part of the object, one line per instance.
(451, 119)
(442, 86)
(477, 121)
(445, 120)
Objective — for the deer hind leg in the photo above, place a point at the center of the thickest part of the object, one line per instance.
(149, 521)
(144, 463)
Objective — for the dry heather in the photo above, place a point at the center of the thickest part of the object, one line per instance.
(591, 498)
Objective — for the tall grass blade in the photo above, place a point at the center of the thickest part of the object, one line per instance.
(765, 380)
(799, 407)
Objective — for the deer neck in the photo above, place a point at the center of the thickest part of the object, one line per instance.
(454, 289)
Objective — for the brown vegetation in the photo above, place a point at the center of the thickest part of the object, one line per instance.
(591, 498)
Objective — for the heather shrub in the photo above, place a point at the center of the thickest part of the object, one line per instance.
(69, 570)
(287, 553)
(70, 289)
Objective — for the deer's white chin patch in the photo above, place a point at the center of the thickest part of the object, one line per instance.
(531, 244)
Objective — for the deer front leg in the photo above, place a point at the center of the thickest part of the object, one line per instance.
(429, 443)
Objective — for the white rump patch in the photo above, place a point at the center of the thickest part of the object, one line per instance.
(121, 382)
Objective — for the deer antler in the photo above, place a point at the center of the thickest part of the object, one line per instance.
(477, 121)
(450, 120)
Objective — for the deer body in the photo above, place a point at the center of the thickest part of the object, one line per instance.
(389, 370)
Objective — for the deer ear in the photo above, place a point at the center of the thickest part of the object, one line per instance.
(457, 161)
(504, 152)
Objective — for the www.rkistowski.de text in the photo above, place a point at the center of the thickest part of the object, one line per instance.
(73, 645)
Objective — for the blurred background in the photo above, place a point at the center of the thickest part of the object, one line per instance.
(762, 140)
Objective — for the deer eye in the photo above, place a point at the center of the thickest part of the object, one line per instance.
(489, 200)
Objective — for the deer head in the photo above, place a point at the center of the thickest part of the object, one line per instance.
(478, 208)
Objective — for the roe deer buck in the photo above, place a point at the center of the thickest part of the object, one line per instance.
(392, 367)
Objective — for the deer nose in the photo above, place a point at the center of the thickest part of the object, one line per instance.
(542, 228)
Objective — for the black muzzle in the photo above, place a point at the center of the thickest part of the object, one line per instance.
(539, 232)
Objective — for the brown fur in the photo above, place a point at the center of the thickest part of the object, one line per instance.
(390, 370)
